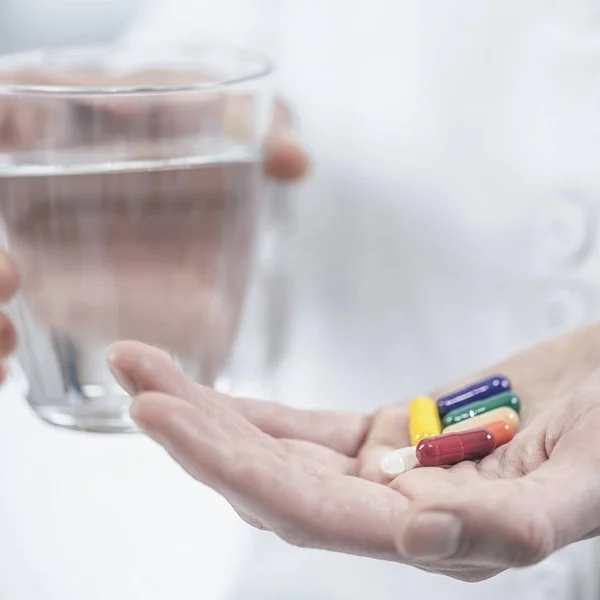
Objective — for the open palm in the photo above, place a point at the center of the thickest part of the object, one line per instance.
(313, 477)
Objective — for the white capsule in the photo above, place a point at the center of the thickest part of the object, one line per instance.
(399, 461)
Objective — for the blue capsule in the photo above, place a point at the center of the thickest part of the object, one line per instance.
(490, 386)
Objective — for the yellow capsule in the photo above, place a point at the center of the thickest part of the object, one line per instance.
(504, 413)
(424, 419)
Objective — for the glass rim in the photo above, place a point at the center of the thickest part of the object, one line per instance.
(262, 67)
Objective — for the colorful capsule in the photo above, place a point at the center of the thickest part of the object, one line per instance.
(424, 420)
(490, 386)
(498, 414)
(478, 408)
(446, 450)
(502, 432)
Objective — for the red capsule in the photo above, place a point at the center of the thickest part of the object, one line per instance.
(452, 448)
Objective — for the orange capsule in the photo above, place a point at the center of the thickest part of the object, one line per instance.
(502, 432)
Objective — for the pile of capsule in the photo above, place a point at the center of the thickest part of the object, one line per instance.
(467, 424)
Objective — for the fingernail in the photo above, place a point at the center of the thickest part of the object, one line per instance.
(125, 381)
(134, 412)
(138, 415)
(433, 535)
(399, 461)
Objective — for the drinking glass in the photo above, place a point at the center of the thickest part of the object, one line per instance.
(131, 194)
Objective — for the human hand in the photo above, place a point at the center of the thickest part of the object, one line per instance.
(314, 479)
(103, 257)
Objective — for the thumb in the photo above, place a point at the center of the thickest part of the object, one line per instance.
(488, 524)
(286, 159)
(502, 523)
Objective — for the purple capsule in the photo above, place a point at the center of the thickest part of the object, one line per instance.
(490, 386)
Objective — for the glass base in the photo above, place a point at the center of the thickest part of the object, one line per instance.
(86, 418)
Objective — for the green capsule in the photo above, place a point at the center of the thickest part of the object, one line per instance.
(482, 406)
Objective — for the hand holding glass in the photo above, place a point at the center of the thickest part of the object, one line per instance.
(131, 204)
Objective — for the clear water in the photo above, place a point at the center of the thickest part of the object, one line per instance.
(148, 249)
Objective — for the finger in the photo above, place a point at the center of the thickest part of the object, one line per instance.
(217, 446)
(142, 368)
(486, 524)
(285, 158)
(8, 337)
(153, 370)
(503, 523)
(139, 367)
(9, 277)
(389, 431)
(340, 431)
(4, 371)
